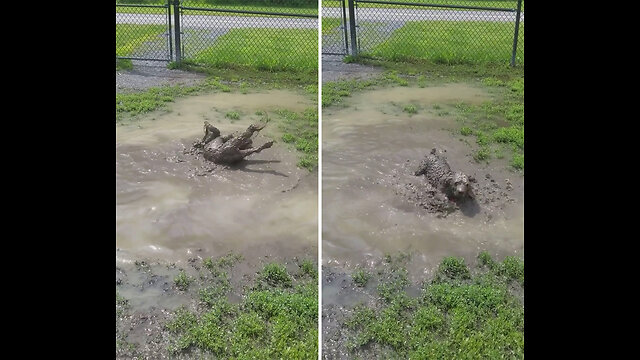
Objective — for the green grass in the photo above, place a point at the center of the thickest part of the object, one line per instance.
(278, 321)
(130, 37)
(329, 24)
(132, 104)
(232, 115)
(307, 268)
(182, 280)
(450, 42)
(498, 125)
(461, 314)
(275, 274)
(300, 130)
(361, 277)
(277, 50)
(411, 109)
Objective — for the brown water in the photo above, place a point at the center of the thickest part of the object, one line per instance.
(166, 210)
(367, 143)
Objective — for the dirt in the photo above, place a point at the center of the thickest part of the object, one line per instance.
(334, 69)
(148, 74)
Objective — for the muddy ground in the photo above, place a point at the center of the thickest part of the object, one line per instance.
(148, 74)
(334, 69)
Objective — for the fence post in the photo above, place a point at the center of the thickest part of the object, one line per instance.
(352, 28)
(344, 28)
(515, 34)
(176, 27)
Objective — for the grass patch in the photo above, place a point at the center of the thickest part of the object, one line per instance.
(277, 50)
(131, 37)
(466, 131)
(330, 24)
(307, 268)
(275, 274)
(360, 277)
(459, 314)
(233, 115)
(274, 321)
(124, 64)
(482, 154)
(300, 130)
(182, 280)
(411, 109)
(450, 42)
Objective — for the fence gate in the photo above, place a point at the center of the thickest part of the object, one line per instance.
(335, 28)
(143, 31)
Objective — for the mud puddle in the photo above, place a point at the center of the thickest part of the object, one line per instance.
(370, 151)
(166, 209)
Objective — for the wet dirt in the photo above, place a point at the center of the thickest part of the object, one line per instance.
(371, 199)
(146, 74)
(170, 205)
(335, 69)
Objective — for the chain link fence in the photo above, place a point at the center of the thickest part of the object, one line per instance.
(262, 34)
(334, 27)
(265, 34)
(143, 30)
(442, 31)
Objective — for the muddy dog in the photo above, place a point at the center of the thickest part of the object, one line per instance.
(229, 149)
(456, 186)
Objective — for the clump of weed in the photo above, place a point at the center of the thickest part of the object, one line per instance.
(288, 138)
(307, 268)
(275, 274)
(361, 277)
(233, 115)
(466, 131)
(411, 109)
(482, 154)
(518, 161)
(182, 280)
(453, 268)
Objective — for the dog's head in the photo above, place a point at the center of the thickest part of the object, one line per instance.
(461, 186)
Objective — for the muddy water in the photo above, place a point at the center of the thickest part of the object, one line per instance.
(371, 146)
(167, 210)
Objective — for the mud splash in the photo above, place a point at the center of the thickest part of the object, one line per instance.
(374, 146)
(166, 210)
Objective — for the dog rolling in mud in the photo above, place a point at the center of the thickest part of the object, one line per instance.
(229, 149)
(456, 186)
